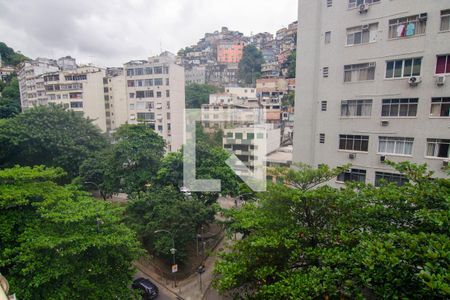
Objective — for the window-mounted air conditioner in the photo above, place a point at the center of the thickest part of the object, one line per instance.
(382, 158)
(440, 80)
(414, 80)
(352, 155)
(384, 123)
(423, 17)
(365, 27)
(363, 8)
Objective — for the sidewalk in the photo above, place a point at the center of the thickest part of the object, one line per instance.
(189, 288)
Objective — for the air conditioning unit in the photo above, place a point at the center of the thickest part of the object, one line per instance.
(384, 123)
(352, 155)
(365, 27)
(423, 17)
(382, 158)
(414, 80)
(440, 80)
(363, 8)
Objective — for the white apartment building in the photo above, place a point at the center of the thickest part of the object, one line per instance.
(373, 84)
(155, 96)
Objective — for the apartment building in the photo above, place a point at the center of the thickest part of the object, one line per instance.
(80, 90)
(115, 94)
(230, 52)
(373, 85)
(155, 96)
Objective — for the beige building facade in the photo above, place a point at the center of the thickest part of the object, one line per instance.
(373, 84)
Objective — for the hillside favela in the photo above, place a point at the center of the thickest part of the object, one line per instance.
(212, 150)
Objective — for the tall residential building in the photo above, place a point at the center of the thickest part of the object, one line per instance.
(230, 51)
(373, 85)
(155, 96)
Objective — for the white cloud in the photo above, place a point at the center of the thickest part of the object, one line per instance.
(111, 32)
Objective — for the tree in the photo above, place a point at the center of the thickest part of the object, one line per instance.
(306, 240)
(166, 208)
(288, 99)
(291, 63)
(10, 98)
(198, 94)
(250, 65)
(9, 56)
(129, 165)
(50, 136)
(59, 243)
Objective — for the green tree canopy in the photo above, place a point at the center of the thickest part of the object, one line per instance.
(59, 243)
(306, 240)
(168, 209)
(129, 165)
(198, 94)
(250, 65)
(292, 63)
(50, 136)
(9, 56)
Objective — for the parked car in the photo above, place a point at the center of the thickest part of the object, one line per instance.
(147, 288)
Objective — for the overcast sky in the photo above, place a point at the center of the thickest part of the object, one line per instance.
(111, 32)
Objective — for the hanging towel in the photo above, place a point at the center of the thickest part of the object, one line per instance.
(410, 29)
(400, 30)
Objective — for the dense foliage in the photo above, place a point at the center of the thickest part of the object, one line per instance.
(59, 243)
(306, 240)
(166, 208)
(129, 165)
(198, 94)
(9, 56)
(250, 65)
(50, 136)
(291, 64)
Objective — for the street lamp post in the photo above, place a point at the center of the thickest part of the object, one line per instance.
(172, 250)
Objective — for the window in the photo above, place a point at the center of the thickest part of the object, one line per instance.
(157, 70)
(148, 82)
(167, 81)
(354, 142)
(356, 108)
(327, 37)
(329, 3)
(445, 20)
(148, 116)
(167, 93)
(131, 95)
(440, 107)
(403, 68)
(229, 135)
(140, 94)
(438, 148)
(408, 26)
(105, 90)
(359, 72)
(325, 72)
(399, 107)
(362, 34)
(168, 116)
(131, 106)
(398, 179)
(77, 104)
(166, 70)
(160, 128)
(158, 94)
(324, 105)
(130, 72)
(395, 145)
(148, 71)
(322, 138)
(158, 81)
(260, 136)
(148, 94)
(139, 83)
(353, 175)
(139, 71)
(238, 135)
(250, 136)
(356, 3)
(443, 64)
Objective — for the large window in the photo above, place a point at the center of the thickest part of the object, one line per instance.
(395, 145)
(445, 20)
(440, 107)
(399, 107)
(158, 81)
(356, 3)
(77, 104)
(438, 148)
(158, 70)
(443, 64)
(148, 116)
(354, 142)
(383, 177)
(403, 68)
(362, 34)
(354, 175)
(359, 72)
(408, 26)
(356, 108)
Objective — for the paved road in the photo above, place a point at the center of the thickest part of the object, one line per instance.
(164, 293)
